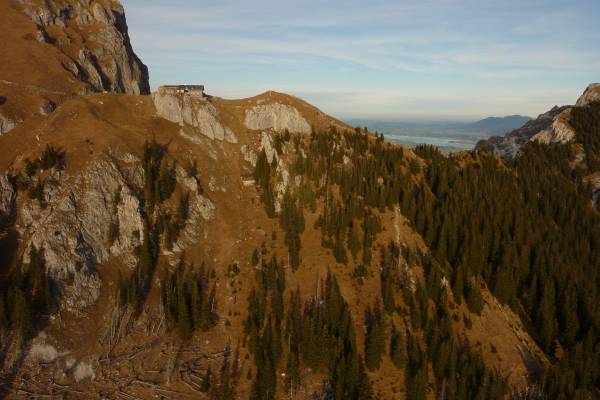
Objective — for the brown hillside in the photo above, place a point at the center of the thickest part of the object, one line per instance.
(316, 117)
(54, 49)
(95, 178)
(148, 360)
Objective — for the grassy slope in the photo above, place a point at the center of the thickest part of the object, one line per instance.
(87, 126)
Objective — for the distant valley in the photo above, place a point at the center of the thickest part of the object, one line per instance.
(448, 135)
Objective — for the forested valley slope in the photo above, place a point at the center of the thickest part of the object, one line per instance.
(170, 246)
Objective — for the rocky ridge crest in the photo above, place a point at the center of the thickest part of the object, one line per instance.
(509, 144)
(550, 127)
(276, 116)
(197, 113)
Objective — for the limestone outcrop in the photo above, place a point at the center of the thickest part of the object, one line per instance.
(266, 144)
(7, 196)
(72, 228)
(94, 37)
(591, 93)
(551, 127)
(509, 144)
(561, 130)
(7, 124)
(276, 116)
(197, 113)
(91, 217)
(201, 209)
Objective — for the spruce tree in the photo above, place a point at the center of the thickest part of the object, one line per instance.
(474, 299)
(397, 352)
(375, 337)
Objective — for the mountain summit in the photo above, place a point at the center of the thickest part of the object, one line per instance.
(498, 125)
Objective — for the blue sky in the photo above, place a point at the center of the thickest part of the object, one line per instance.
(395, 59)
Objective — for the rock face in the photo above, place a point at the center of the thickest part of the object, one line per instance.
(276, 116)
(201, 209)
(72, 229)
(92, 217)
(194, 112)
(7, 196)
(63, 48)
(93, 34)
(551, 127)
(6, 124)
(592, 93)
(509, 144)
(561, 130)
(266, 144)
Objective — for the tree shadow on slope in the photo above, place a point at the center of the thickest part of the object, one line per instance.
(159, 184)
(8, 374)
(134, 289)
(26, 299)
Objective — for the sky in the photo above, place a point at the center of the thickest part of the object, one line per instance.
(388, 60)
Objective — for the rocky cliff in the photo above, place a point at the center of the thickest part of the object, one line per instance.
(509, 144)
(60, 48)
(223, 120)
(591, 93)
(276, 116)
(7, 196)
(560, 131)
(196, 113)
(93, 35)
(550, 127)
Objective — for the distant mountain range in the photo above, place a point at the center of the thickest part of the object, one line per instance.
(497, 125)
(483, 127)
(450, 135)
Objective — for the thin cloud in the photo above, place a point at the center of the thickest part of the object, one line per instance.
(455, 46)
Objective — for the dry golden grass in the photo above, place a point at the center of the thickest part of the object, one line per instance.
(87, 127)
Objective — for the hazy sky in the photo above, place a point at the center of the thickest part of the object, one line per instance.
(395, 59)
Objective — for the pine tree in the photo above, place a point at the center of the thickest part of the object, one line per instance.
(397, 348)
(22, 316)
(364, 390)
(458, 283)
(292, 375)
(39, 283)
(184, 318)
(375, 337)
(206, 380)
(255, 257)
(416, 373)
(387, 278)
(474, 299)
(353, 241)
